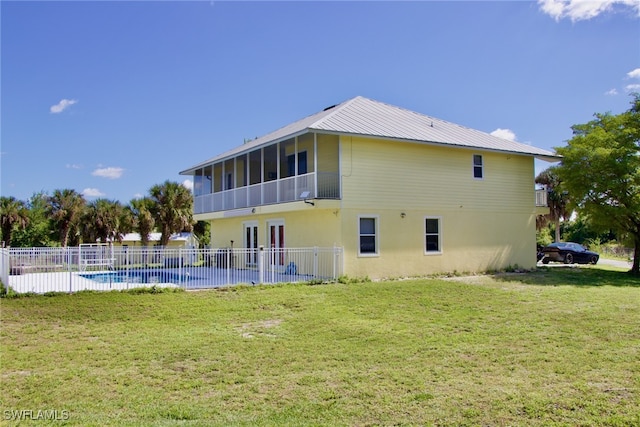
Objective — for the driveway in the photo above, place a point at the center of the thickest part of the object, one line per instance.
(615, 262)
(601, 261)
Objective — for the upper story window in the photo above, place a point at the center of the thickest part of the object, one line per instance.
(302, 164)
(478, 166)
(368, 230)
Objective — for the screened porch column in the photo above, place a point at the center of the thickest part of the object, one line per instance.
(278, 176)
(295, 168)
(315, 164)
(262, 176)
(235, 177)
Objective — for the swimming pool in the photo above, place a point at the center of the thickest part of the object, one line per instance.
(135, 276)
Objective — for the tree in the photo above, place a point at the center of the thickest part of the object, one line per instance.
(556, 198)
(38, 232)
(173, 209)
(202, 230)
(65, 208)
(601, 171)
(143, 221)
(13, 213)
(105, 220)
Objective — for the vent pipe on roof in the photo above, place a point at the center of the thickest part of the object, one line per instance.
(329, 108)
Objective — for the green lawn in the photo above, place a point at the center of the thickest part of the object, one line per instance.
(560, 346)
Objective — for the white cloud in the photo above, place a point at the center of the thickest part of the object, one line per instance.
(611, 92)
(187, 183)
(62, 105)
(73, 166)
(92, 192)
(579, 10)
(504, 134)
(632, 88)
(635, 74)
(110, 172)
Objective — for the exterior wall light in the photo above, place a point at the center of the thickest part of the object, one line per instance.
(305, 196)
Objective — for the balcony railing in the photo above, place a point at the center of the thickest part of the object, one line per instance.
(541, 198)
(271, 192)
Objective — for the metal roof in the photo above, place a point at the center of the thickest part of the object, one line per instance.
(361, 116)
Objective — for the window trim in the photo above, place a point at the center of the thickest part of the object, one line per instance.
(474, 166)
(424, 222)
(376, 218)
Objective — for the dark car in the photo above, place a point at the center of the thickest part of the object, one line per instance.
(569, 253)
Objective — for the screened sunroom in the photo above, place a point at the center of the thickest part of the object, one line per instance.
(301, 167)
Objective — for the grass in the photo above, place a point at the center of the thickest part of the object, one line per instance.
(558, 346)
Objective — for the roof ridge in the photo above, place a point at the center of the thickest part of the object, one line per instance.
(336, 109)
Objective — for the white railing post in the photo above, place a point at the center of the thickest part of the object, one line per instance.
(228, 266)
(69, 268)
(180, 264)
(261, 264)
(315, 262)
(127, 265)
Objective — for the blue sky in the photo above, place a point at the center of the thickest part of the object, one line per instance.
(110, 98)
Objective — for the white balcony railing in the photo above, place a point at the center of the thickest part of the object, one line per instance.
(541, 198)
(271, 192)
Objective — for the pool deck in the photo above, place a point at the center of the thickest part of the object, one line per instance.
(198, 278)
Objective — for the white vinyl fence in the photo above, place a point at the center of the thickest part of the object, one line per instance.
(105, 268)
(4, 266)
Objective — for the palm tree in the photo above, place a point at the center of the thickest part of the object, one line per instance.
(65, 207)
(557, 199)
(173, 209)
(13, 213)
(143, 222)
(105, 220)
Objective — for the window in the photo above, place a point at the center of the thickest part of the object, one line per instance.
(477, 166)
(368, 236)
(302, 164)
(432, 231)
(198, 183)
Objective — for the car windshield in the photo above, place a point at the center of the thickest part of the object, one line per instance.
(568, 245)
(558, 245)
(577, 247)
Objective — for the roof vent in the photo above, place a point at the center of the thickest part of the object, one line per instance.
(329, 108)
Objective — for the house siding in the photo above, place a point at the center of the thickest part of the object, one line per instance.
(328, 147)
(305, 227)
(486, 223)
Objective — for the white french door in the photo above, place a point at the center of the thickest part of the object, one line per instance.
(251, 243)
(275, 237)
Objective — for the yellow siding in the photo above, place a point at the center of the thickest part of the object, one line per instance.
(328, 153)
(413, 176)
(306, 227)
(486, 224)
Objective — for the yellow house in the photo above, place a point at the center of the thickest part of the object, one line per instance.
(404, 194)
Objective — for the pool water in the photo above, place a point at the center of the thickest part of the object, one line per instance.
(133, 276)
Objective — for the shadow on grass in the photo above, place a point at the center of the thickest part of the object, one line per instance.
(572, 276)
